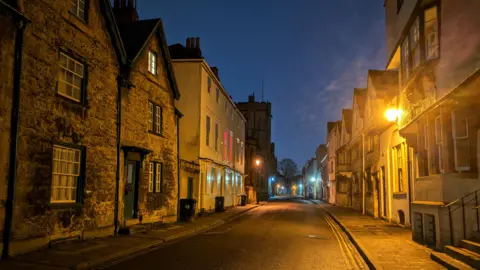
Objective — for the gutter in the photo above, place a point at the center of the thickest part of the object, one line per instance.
(21, 23)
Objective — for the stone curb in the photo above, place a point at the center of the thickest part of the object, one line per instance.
(142, 249)
(362, 250)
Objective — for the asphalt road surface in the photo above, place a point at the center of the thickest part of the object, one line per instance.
(285, 233)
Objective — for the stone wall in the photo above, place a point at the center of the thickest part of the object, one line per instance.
(47, 118)
(156, 89)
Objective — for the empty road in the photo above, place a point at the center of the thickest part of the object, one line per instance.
(285, 233)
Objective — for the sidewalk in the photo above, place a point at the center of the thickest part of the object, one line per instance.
(386, 245)
(90, 253)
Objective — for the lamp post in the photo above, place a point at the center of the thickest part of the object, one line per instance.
(257, 163)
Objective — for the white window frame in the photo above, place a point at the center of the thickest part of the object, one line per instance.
(428, 56)
(439, 142)
(152, 62)
(77, 10)
(155, 177)
(456, 138)
(66, 171)
(155, 118)
(150, 176)
(76, 71)
(158, 177)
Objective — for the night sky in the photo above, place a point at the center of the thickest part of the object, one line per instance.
(312, 53)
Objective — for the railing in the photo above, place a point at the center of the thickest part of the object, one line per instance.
(464, 201)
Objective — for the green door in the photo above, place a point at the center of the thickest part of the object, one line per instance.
(131, 189)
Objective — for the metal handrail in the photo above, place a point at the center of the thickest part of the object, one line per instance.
(477, 206)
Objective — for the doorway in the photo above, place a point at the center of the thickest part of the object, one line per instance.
(384, 192)
(190, 188)
(377, 195)
(131, 189)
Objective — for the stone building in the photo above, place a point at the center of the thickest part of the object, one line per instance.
(258, 147)
(148, 171)
(71, 162)
(439, 80)
(343, 170)
(310, 179)
(333, 139)
(212, 132)
(322, 174)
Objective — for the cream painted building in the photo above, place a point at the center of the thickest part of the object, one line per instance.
(212, 132)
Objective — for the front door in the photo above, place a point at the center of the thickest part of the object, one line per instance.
(131, 189)
(190, 187)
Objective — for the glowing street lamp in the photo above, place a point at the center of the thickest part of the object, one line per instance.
(313, 179)
(257, 162)
(392, 115)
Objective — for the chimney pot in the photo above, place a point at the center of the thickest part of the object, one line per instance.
(188, 43)
(197, 43)
(192, 42)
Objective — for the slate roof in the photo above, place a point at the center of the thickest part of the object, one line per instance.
(347, 116)
(359, 97)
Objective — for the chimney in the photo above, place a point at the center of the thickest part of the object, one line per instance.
(251, 98)
(215, 71)
(123, 13)
(197, 43)
(189, 43)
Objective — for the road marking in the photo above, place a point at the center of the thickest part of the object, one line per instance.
(347, 261)
(345, 243)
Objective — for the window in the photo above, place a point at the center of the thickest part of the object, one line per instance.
(431, 33)
(225, 145)
(399, 155)
(66, 172)
(155, 118)
(216, 137)
(399, 5)
(208, 131)
(461, 141)
(155, 177)
(212, 181)
(218, 95)
(71, 78)
(152, 62)
(231, 147)
(415, 44)
(438, 141)
(209, 84)
(405, 63)
(242, 154)
(78, 7)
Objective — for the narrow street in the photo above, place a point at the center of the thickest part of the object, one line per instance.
(285, 233)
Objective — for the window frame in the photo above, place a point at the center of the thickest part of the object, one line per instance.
(439, 143)
(80, 179)
(457, 138)
(208, 123)
(217, 129)
(85, 10)
(152, 65)
(84, 79)
(424, 22)
(155, 185)
(156, 108)
(209, 84)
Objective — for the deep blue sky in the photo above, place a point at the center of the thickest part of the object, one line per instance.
(312, 53)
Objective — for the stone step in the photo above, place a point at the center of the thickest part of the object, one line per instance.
(473, 246)
(464, 255)
(448, 262)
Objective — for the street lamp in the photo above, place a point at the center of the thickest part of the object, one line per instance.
(392, 115)
(257, 161)
(313, 179)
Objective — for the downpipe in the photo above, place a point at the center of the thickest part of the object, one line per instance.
(17, 72)
(119, 133)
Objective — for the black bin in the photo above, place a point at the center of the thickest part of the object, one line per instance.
(219, 204)
(187, 209)
(243, 200)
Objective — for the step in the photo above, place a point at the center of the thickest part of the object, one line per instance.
(473, 246)
(464, 255)
(448, 262)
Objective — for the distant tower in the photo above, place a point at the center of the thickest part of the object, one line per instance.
(125, 13)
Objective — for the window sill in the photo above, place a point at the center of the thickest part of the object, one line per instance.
(54, 205)
(156, 134)
(400, 195)
(80, 104)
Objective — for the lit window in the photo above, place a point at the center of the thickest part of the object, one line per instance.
(399, 164)
(415, 44)
(216, 137)
(70, 78)
(431, 33)
(438, 141)
(155, 177)
(461, 141)
(225, 145)
(152, 62)
(77, 7)
(65, 174)
(155, 118)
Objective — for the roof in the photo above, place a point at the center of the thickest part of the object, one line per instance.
(330, 126)
(359, 97)
(385, 83)
(178, 51)
(135, 37)
(347, 117)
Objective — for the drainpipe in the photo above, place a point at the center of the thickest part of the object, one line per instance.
(178, 115)
(120, 82)
(410, 170)
(21, 22)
